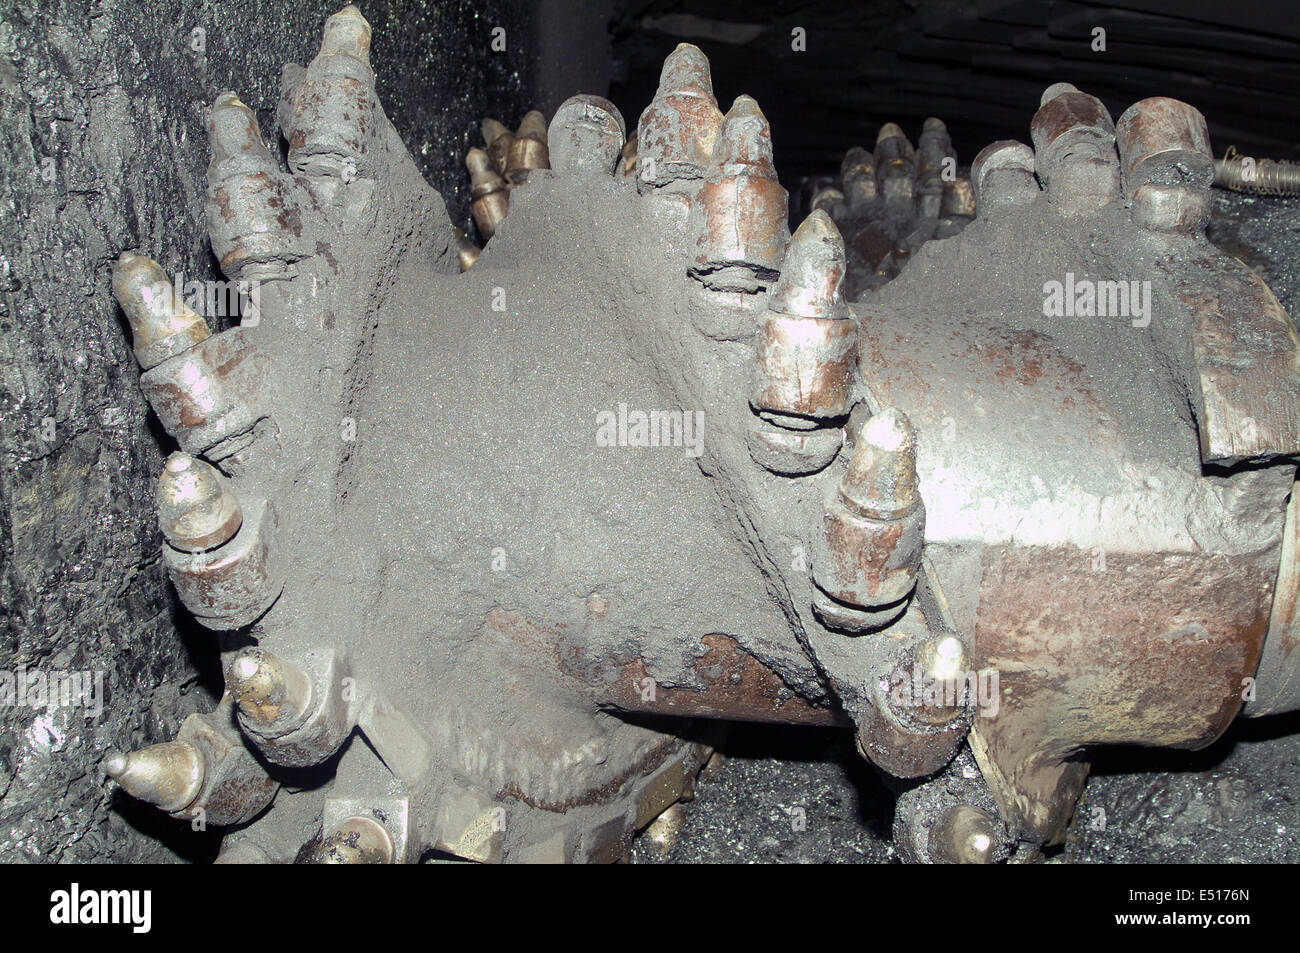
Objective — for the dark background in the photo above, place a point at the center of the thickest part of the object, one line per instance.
(114, 94)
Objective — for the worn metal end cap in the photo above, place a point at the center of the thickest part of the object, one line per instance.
(358, 840)
(1051, 92)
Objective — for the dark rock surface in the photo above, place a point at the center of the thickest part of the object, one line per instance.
(103, 112)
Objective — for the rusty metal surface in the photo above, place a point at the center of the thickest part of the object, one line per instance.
(736, 686)
(499, 579)
(1069, 123)
(677, 131)
(1165, 141)
(236, 788)
(1164, 666)
(1247, 363)
(331, 118)
(805, 365)
(246, 193)
(215, 390)
(743, 210)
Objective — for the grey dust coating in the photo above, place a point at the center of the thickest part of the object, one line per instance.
(103, 146)
(1236, 802)
(497, 582)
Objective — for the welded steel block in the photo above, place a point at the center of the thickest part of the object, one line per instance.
(1168, 164)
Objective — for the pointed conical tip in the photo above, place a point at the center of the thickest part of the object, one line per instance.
(817, 228)
(881, 479)
(197, 510)
(233, 128)
(745, 105)
(812, 272)
(476, 160)
(227, 98)
(889, 430)
(745, 138)
(492, 129)
(162, 325)
(140, 269)
(934, 124)
(890, 130)
(347, 32)
(255, 677)
(532, 126)
(169, 775)
(857, 161)
(266, 687)
(686, 70)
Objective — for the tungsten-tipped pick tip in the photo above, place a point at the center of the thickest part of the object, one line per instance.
(745, 139)
(233, 131)
(492, 130)
(881, 479)
(813, 270)
(348, 33)
(890, 130)
(197, 509)
(161, 325)
(168, 775)
(964, 834)
(686, 70)
(532, 126)
(477, 161)
(268, 689)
